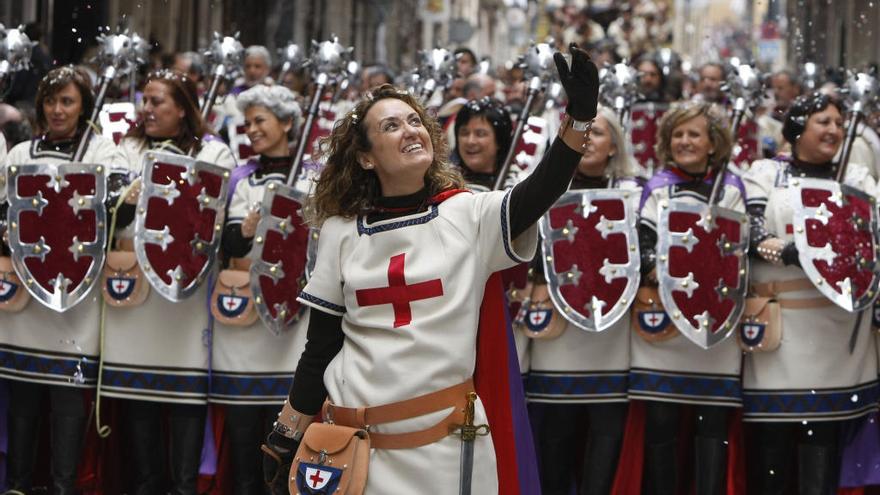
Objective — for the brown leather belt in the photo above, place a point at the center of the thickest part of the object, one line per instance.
(773, 289)
(366, 417)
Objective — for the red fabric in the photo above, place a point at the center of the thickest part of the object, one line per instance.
(398, 293)
(290, 250)
(628, 480)
(185, 219)
(58, 224)
(612, 248)
(489, 377)
(848, 241)
(715, 267)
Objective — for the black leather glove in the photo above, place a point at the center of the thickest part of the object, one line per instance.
(581, 83)
(278, 452)
(790, 255)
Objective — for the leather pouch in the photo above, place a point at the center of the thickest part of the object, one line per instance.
(331, 459)
(649, 318)
(760, 328)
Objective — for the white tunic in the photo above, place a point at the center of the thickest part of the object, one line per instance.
(811, 375)
(250, 365)
(160, 350)
(39, 344)
(409, 290)
(580, 366)
(677, 370)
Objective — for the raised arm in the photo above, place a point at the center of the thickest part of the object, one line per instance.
(534, 195)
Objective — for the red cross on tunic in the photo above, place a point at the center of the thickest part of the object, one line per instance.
(398, 293)
(653, 319)
(316, 478)
(120, 286)
(231, 303)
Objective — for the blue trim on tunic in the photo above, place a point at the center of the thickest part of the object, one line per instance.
(305, 296)
(691, 388)
(58, 368)
(574, 386)
(426, 217)
(821, 402)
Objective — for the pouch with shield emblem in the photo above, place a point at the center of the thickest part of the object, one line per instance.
(123, 284)
(331, 459)
(232, 302)
(649, 318)
(13, 297)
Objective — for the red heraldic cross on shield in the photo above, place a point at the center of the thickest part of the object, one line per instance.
(399, 294)
(702, 268)
(57, 229)
(286, 250)
(644, 119)
(591, 256)
(179, 220)
(835, 231)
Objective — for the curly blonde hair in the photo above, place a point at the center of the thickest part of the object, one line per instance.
(344, 188)
(719, 131)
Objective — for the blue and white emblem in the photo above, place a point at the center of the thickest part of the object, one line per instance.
(538, 319)
(752, 333)
(120, 288)
(231, 306)
(653, 321)
(7, 290)
(314, 479)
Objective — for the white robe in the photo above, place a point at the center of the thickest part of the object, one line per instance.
(38, 344)
(677, 370)
(426, 340)
(160, 350)
(811, 375)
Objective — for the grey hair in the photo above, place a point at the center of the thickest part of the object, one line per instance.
(260, 51)
(277, 99)
(621, 164)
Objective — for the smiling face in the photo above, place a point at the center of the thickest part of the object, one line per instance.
(477, 146)
(62, 110)
(268, 135)
(599, 150)
(162, 115)
(690, 145)
(401, 150)
(822, 136)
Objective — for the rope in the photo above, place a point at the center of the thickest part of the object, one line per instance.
(104, 430)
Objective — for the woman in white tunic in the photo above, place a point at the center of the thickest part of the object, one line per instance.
(395, 295)
(581, 376)
(252, 368)
(157, 353)
(825, 368)
(42, 350)
(693, 141)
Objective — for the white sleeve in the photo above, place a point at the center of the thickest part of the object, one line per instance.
(759, 181)
(218, 153)
(324, 288)
(494, 244)
(238, 205)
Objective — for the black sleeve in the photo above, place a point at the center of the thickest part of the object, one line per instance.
(323, 342)
(537, 192)
(647, 248)
(124, 216)
(233, 243)
(757, 227)
(536, 266)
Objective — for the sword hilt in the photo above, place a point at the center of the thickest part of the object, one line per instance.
(468, 430)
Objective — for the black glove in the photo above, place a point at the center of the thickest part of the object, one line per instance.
(581, 83)
(278, 452)
(790, 255)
